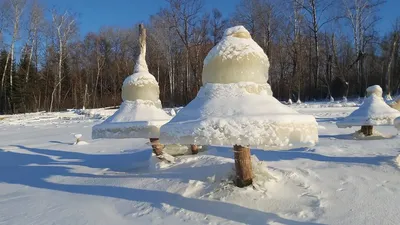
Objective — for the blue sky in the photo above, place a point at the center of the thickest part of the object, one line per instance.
(94, 14)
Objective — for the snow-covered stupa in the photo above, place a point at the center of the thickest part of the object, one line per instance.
(140, 114)
(235, 104)
(373, 112)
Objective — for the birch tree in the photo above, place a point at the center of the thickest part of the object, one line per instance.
(361, 15)
(65, 27)
(16, 8)
(36, 18)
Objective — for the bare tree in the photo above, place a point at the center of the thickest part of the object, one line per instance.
(17, 8)
(183, 18)
(35, 23)
(394, 49)
(218, 25)
(361, 15)
(317, 17)
(65, 26)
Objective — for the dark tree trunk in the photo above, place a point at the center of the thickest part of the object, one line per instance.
(367, 130)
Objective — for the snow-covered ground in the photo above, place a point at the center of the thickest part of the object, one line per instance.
(45, 179)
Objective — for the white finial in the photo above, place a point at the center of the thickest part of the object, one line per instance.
(141, 64)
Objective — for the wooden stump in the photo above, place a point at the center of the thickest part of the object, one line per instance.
(195, 149)
(157, 147)
(367, 130)
(244, 172)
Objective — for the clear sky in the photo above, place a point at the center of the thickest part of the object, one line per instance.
(94, 14)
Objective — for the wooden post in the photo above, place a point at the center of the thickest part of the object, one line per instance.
(157, 147)
(195, 149)
(367, 130)
(244, 172)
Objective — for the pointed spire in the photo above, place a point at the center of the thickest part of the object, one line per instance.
(141, 65)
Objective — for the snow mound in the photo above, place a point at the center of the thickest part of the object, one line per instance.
(134, 119)
(374, 111)
(246, 114)
(81, 143)
(376, 135)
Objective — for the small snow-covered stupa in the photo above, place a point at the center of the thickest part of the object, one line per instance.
(373, 112)
(140, 115)
(235, 106)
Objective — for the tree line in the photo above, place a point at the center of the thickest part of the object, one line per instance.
(318, 49)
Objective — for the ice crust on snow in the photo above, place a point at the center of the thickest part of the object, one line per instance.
(235, 104)
(374, 111)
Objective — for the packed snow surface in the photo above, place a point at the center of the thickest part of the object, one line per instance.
(140, 119)
(241, 113)
(374, 111)
(44, 179)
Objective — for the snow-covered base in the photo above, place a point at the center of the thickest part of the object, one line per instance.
(243, 113)
(257, 133)
(376, 135)
(134, 119)
(81, 143)
(139, 129)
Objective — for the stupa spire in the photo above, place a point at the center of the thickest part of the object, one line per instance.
(141, 65)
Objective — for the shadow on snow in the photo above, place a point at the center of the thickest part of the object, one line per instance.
(34, 169)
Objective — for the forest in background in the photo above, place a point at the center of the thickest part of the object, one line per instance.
(318, 49)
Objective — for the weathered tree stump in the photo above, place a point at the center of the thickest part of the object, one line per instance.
(244, 173)
(157, 147)
(195, 149)
(367, 130)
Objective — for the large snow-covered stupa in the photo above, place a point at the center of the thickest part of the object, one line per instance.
(373, 112)
(140, 115)
(235, 104)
